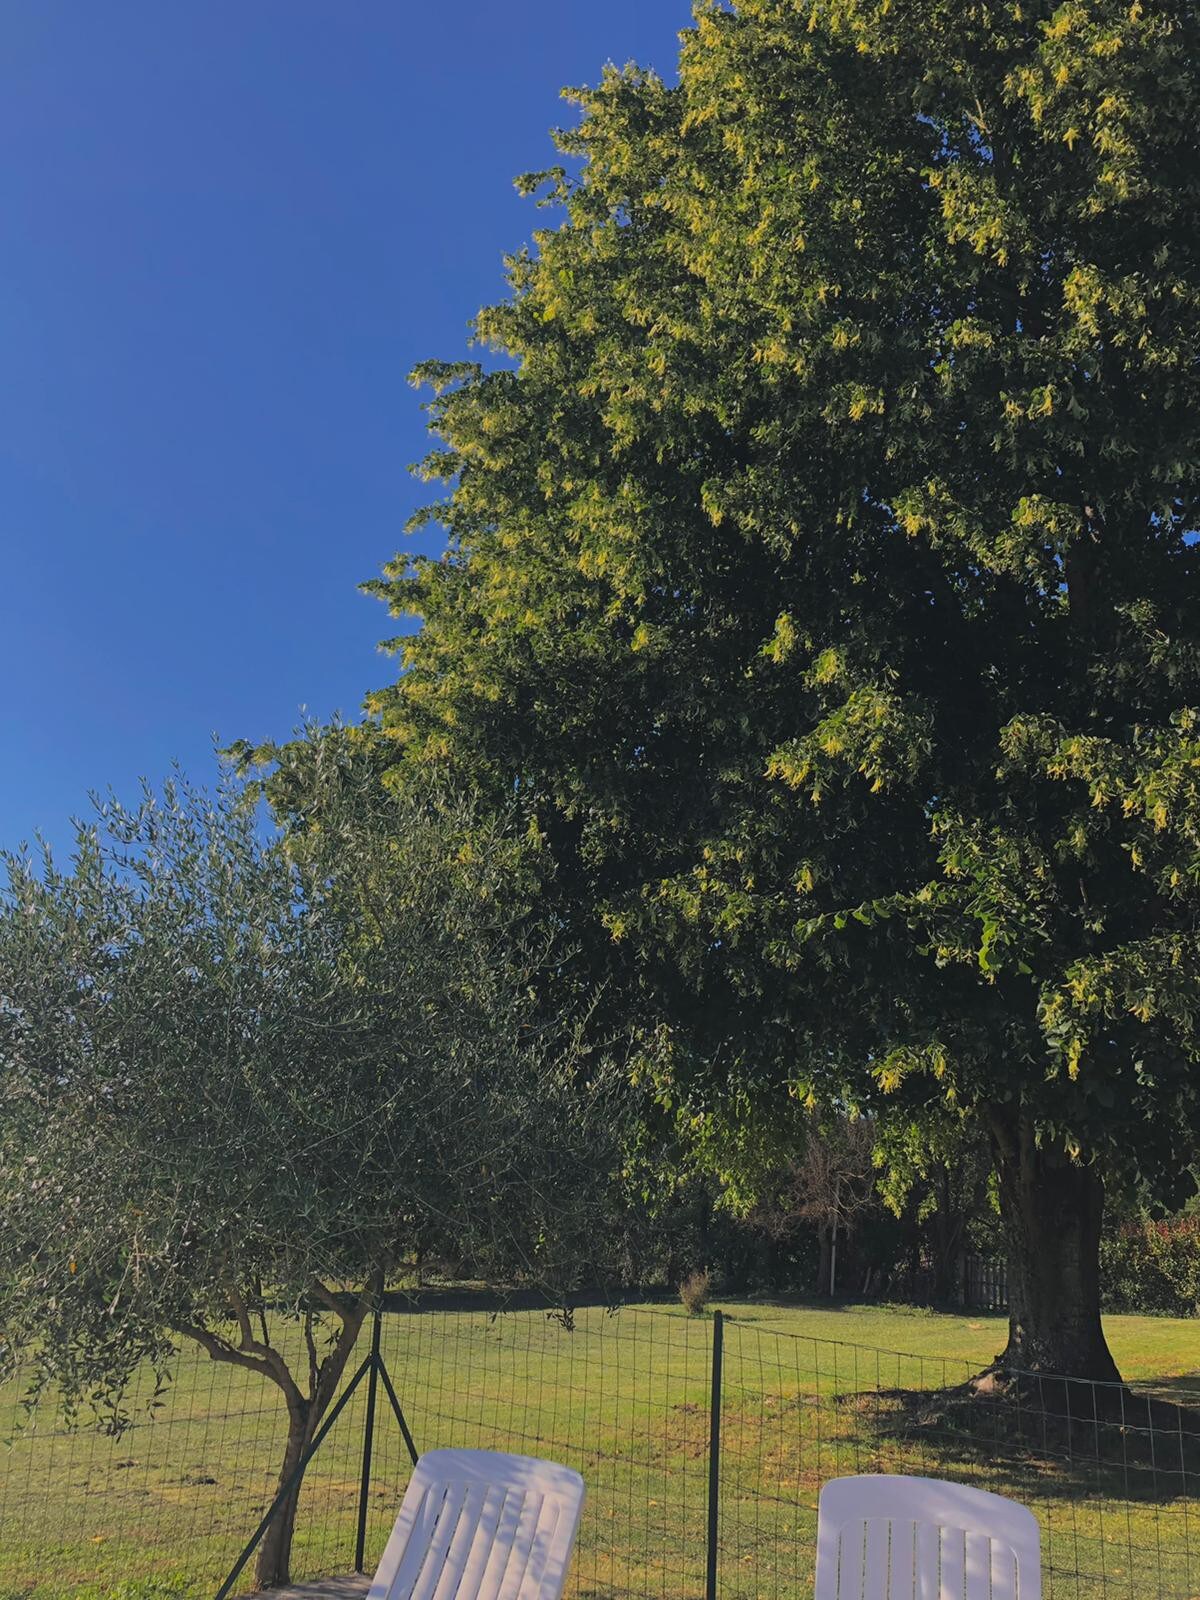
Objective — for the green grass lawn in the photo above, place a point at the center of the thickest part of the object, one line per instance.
(808, 1394)
(1148, 1349)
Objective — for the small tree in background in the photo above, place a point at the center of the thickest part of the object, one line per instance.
(239, 1079)
(828, 1187)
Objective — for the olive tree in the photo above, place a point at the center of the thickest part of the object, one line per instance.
(243, 1079)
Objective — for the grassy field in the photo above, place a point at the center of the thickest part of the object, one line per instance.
(808, 1394)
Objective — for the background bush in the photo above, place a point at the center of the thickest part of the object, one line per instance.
(694, 1292)
(1152, 1266)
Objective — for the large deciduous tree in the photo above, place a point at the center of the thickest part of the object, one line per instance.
(244, 1080)
(821, 569)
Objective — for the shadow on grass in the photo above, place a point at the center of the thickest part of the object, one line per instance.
(1073, 1440)
(1181, 1389)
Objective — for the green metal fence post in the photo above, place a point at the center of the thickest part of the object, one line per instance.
(714, 1456)
(364, 1489)
(397, 1412)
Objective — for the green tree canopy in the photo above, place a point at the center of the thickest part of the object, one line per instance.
(821, 570)
(242, 1083)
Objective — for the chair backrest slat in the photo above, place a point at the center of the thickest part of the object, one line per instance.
(487, 1554)
(415, 1530)
(902, 1557)
(927, 1559)
(885, 1537)
(1004, 1574)
(954, 1565)
(455, 1551)
(876, 1552)
(541, 1550)
(522, 1548)
(850, 1551)
(424, 1580)
(979, 1550)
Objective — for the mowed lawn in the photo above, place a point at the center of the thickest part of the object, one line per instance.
(807, 1394)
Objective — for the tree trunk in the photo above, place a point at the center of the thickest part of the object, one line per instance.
(947, 1231)
(1051, 1208)
(825, 1240)
(273, 1562)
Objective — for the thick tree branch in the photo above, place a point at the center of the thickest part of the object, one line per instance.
(328, 1299)
(242, 1316)
(311, 1346)
(219, 1349)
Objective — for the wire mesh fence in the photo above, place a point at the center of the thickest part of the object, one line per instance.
(1111, 1476)
(686, 1498)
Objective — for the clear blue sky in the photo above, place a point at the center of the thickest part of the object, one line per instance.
(228, 228)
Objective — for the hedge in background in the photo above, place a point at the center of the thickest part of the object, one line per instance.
(1152, 1266)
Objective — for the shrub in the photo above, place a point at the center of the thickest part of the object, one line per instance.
(694, 1292)
(1152, 1266)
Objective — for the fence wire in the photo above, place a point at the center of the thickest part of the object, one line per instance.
(1112, 1477)
(625, 1398)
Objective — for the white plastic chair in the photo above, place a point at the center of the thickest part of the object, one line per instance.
(897, 1538)
(480, 1525)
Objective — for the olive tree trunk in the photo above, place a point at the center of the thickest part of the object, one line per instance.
(272, 1565)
